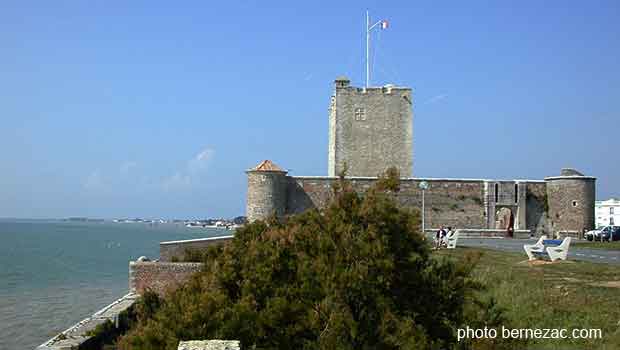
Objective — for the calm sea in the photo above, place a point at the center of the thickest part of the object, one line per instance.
(55, 273)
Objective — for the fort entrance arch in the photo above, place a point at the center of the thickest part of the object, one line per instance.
(504, 219)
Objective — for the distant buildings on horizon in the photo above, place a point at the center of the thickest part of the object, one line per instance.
(188, 222)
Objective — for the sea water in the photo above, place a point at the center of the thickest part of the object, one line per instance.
(55, 273)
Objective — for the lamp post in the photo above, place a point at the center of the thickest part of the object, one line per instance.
(423, 186)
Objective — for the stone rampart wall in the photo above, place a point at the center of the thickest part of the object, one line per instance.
(458, 203)
(160, 277)
(537, 205)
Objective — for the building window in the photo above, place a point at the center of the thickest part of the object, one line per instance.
(611, 211)
(496, 193)
(516, 193)
(574, 203)
(360, 114)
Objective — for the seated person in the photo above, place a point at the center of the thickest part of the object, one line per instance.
(439, 237)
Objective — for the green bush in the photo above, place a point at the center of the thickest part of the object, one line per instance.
(202, 255)
(355, 275)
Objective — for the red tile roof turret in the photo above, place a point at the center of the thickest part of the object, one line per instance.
(267, 165)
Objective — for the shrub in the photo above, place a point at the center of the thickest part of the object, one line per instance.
(201, 255)
(356, 275)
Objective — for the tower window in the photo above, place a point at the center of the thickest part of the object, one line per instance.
(516, 193)
(360, 114)
(496, 193)
(611, 211)
(575, 203)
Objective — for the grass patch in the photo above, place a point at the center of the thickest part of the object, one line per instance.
(570, 295)
(598, 245)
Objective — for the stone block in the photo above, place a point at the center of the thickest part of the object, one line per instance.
(209, 345)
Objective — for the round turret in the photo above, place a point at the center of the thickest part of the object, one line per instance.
(571, 199)
(266, 191)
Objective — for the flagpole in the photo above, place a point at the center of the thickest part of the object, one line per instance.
(368, 29)
(367, 48)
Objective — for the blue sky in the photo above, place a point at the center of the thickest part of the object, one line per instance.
(155, 109)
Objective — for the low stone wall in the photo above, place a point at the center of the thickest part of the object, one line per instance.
(490, 233)
(160, 277)
(486, 233)
(176, 249)
(571, 234)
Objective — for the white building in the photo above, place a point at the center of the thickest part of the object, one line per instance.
(607, 212)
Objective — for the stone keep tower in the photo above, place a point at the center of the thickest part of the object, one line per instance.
(571, 199)
(370, 130)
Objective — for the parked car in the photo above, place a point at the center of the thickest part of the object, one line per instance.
(610, 233)
(594, 235)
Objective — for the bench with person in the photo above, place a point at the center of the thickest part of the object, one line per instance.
(445, 238)
(452, 238)
(553, 248)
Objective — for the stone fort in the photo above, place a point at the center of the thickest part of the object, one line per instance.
(371, 129)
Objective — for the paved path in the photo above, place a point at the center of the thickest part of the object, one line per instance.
(516, 245)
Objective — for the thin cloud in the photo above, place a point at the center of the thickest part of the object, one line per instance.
(201, 161)
(192, 174)
(435, 99)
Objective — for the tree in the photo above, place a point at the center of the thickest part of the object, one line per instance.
(355, 275)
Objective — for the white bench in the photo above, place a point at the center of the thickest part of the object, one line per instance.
(451, 239)
(537, 247)
(553, 248)
(559, 251)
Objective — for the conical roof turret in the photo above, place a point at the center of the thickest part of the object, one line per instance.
(268, 166)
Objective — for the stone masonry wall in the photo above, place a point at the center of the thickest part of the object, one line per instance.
(160, 277)
(457, 203)
(176, 249)
(372, 131)
(266, 194)
(571, 203)
(536, 206)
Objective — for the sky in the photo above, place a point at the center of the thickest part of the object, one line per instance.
(155, 109)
